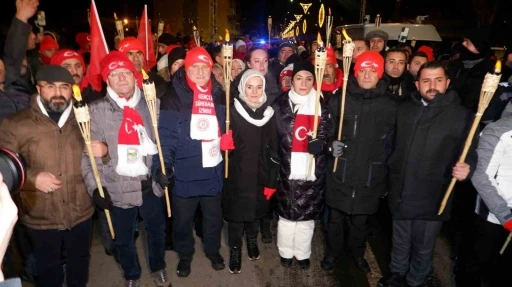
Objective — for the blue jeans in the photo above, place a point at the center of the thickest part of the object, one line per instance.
(152, 213)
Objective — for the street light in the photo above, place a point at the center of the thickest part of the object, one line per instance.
(125, 21)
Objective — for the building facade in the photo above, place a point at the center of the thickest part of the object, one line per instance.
(211, 17)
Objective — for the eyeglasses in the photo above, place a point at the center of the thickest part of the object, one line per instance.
(115, 74)
(53, 88)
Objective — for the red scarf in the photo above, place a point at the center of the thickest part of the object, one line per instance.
(336, 85)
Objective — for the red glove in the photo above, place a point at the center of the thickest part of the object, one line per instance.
(508, 225)
(226, 141)
(268, 192)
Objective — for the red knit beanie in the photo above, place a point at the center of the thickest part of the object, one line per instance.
(66, 54)
(198, 55)
(370, 59)
(113, 61)
(429, 51)
(130, 44)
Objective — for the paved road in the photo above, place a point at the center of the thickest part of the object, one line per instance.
(267, 271)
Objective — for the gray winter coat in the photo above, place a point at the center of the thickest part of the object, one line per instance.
(106, 118)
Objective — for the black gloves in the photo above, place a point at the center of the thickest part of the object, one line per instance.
(100, 202)
(166, 180)
(337, 148)
(315, 146)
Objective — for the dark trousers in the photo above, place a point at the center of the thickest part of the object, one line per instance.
(48, 247)
(184, 211)
(105, 236)
(236, 232)
(413, 248)
(480, 260)
(152, 213)
(346, 230)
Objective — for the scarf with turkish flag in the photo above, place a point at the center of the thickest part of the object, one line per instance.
(146, 37)
(99, 50)
(302, 130)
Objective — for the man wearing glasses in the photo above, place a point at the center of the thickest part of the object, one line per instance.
(53, 204)
(123, 144)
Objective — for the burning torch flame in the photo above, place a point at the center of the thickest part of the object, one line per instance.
(144, 75)
(319, 40)
(345, 35)
(497, 68)
(76, 93)
(227, 35)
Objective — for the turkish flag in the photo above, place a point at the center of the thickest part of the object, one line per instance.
(146, 37)
(302, 128)
(99, 50)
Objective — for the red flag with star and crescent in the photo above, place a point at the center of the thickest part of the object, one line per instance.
(146, 37)
(99, 50)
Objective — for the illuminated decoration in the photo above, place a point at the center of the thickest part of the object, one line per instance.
(328, 28)
(297, 31)
(321, 16)
(298, 17)
(305, 6)
(304, 26)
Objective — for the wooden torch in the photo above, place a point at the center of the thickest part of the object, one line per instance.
(489, 86)
(227, 54)
(84, 122)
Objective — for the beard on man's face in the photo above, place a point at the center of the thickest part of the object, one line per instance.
(56, 104)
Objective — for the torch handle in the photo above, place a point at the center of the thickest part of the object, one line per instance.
(227, 88)
(342, 115)
(315, 124)
(462, 158)
(100, 187)
(162, 164)
(506, 244)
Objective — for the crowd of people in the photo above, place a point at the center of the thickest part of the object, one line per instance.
(407, 113)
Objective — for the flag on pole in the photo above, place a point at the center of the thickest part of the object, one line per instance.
(99, 50)
(146, 37)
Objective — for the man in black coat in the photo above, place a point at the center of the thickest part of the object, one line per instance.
(354, 189)
(431, 129)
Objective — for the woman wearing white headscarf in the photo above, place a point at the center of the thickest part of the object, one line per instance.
(253, 166)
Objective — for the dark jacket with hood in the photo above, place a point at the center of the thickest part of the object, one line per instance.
(180, 151)
(250, 169)
(429, 140)
(360, 178)
(299, 200)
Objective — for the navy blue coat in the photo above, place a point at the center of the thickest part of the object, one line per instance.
(180, 151)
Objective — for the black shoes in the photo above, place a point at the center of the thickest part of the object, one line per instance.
(286, 262)
(183, 269)
(217, 261)
(304, 264)
(328, 263)
(252, 248)
(235, 260)
(393, 280)
(266, 236)
(362, 264)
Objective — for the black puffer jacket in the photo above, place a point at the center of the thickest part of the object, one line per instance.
(299, 200)
(368, 124)
(429, 140)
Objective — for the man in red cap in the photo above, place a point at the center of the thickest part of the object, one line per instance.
(124, 144)
(47, 48)
(84, 42)
(134, 50)
(353, 191)
(333, 77)
(191, 121)
(74, 63)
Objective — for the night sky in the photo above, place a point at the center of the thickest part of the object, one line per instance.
(72, 15)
